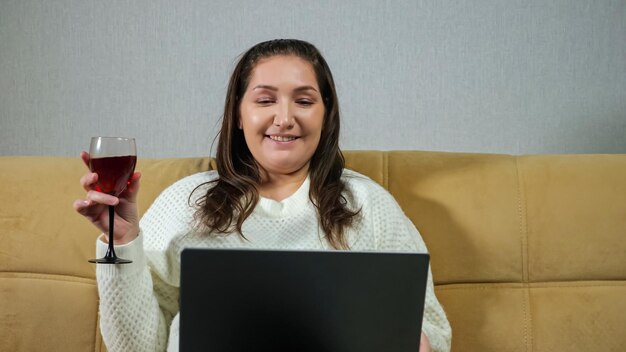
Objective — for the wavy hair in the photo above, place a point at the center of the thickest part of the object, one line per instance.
(233, 196)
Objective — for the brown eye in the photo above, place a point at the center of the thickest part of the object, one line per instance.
(264, 101)
(304, 102)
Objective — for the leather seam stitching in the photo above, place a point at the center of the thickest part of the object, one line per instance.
(50, 277)
(526, 286)
(525, 258)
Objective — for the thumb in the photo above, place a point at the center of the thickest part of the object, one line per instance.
(132, 189)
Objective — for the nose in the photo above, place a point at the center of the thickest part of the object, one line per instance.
(284, 117)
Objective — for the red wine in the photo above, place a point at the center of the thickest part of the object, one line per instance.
(113, 173)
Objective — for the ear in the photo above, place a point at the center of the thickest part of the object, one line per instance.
(239, 124)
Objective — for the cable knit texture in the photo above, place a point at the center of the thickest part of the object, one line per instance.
(139, 301)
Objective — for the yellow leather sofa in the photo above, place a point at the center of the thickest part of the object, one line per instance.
(528, 252)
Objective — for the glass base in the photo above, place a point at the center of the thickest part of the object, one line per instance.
(110, 261)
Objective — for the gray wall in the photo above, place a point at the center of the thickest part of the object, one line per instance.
(482, 76)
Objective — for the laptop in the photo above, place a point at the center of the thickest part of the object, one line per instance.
(328, 301)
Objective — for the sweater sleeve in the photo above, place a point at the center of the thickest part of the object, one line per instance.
(395, 232)
(435, 323)
(139, 300)
(130, 316)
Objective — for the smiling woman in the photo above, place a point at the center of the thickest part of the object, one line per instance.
(280, 183)
(280, 89)
(281, 115)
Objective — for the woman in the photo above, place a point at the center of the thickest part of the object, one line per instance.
(280, 183)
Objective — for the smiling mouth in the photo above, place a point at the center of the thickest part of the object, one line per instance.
(282, 138)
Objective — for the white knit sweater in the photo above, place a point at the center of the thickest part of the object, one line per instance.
(139, 301)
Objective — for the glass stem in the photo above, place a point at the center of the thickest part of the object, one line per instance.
(110, 251)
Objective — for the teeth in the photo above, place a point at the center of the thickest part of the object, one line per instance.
(282, 138)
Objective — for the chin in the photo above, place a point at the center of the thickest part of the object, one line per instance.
(284, 168)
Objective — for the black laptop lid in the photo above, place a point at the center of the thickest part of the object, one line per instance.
(334, 301)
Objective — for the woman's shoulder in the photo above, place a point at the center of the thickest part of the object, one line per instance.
(188, 184)
(358, 182)
(197, 179)
(364, 190)
(383, 215)
(179, 196)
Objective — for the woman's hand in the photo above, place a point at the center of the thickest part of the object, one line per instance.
(94, 206)
(424, 344)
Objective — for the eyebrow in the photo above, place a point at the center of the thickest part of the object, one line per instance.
(272, 88)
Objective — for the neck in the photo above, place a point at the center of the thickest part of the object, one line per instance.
(280, 186)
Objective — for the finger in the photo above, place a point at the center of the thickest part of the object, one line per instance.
(81, 205)
(85, 157)
(134, 179)
(102, 198)
(88, 181)
(424, 344)
(85, 207)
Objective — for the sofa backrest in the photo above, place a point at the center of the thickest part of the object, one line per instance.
(528, 252)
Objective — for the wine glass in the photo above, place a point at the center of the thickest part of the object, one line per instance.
(113, 159)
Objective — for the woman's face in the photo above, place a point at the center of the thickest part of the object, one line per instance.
(281, 114)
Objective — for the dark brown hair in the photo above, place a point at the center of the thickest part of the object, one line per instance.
(234, 194)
